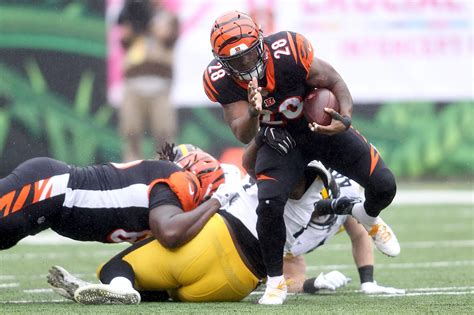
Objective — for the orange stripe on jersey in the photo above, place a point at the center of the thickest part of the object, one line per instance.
(209, 83)
(305, 51)
(209, 88)
(185, 185)
(20, 201)
(374, 158)
(264, 177)
(270, 72)
(6, 203)
(39, 190)
(242, 84)
(209, 93)
(292, 46)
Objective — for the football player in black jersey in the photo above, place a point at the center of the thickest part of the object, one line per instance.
(109, 203)
(261, 82)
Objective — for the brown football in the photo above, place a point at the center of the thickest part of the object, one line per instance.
(314, 104)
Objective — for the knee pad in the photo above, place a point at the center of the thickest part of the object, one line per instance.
(381, 192)
(270, 208)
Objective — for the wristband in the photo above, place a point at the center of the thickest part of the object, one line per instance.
(346, 120)
(308, 286)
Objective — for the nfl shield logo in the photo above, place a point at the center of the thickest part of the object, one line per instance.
(269, 101)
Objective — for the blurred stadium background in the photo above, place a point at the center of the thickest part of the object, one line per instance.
(408, 64)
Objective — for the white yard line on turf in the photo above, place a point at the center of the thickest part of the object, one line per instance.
(38, 290)
(8, 285)
(411, 245)
(33, 301)
(433, 264)
(442, 289)
(424, 293)
(409, 292)
(452, 197)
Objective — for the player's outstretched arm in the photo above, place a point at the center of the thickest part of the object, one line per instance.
(364, 259)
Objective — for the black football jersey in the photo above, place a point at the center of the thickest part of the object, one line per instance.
(111, 202)
(284, 85)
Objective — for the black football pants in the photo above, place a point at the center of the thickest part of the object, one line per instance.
(348, 153)
(22, 212)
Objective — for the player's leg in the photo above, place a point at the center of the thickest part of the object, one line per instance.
(31, 198)
(276, 175)
(207, 268)
(351, 155)
(64, 283)
(117, 277)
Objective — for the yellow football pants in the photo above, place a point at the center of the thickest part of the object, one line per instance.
(207, 268)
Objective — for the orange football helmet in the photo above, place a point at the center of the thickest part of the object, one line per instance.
(237, 43)
(206, 168)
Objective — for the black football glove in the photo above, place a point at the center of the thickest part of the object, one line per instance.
(278, 139)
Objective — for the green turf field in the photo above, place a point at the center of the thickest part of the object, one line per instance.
(436, 267)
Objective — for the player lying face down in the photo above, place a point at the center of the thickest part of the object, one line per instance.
(109, 203)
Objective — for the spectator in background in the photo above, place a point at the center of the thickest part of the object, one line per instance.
(149, 34)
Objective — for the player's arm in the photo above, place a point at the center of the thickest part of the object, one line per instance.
(323, 75)
(243, 123)
(249, 158)
(364, 259)
(361, 243)
(173, 227)
(243, 116)
(294, 269)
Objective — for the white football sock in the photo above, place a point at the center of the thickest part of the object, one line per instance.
(274, 282)
(121, 283)
(358, 212)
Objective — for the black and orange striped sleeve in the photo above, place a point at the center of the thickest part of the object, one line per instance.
(301, 50)
(208, 87)
(220, 87)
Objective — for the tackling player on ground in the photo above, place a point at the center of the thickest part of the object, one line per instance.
(109, 203)
(196, 272)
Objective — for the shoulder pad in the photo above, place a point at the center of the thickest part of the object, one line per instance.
(185, 185)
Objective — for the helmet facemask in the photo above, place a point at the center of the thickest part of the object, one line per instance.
(245, 62)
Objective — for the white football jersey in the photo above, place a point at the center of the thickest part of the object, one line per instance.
(302, 233)
(232, 173)
(319, 230)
